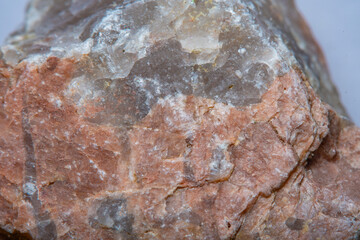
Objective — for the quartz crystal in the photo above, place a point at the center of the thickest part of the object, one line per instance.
(173, 119)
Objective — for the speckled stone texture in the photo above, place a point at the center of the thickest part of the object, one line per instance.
(205, 119)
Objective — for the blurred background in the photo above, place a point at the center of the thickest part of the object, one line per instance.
(335, 24)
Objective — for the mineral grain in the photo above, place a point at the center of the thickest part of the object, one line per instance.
(172, 119)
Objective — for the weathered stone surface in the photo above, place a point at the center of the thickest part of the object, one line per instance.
(173, 120)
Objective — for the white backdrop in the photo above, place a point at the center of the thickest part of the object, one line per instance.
(335, 23)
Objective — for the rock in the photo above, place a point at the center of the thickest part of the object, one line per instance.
(173, 120)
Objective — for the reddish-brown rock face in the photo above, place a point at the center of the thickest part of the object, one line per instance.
(245, 149)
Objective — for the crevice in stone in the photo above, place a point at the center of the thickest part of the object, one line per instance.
(46, 228)
(15, 235)
(244, 212)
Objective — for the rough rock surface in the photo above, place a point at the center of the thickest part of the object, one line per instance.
(205, 119)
